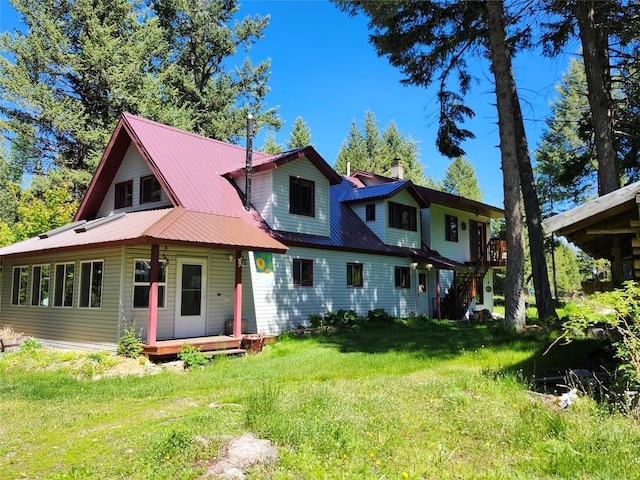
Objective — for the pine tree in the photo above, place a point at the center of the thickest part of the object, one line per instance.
(300, 135)
(270, 145)
(460, 179)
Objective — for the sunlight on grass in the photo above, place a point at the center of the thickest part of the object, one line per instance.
(417, 400)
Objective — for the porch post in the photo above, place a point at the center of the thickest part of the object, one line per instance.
(152, 324)
(237, 303)
(438, 294)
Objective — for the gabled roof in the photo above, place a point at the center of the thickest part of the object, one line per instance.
(384, 190)
(168, 226)
(434, 196)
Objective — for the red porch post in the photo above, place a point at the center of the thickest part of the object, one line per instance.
(152, 323)
(237, 301)
(438, 294)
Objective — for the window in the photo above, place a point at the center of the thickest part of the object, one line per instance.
(124, 194)
(20, 286)
(354, 275)
(303, 273)
(141, 279)
(402, 216)
(403, 277)
(90, 284)
(302, 196)
(63, 293)
(149, 189)
(40, 285)
(370, 214)
(451, 228)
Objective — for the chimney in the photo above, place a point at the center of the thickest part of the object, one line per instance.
(397, 170)
(348, 168)
(249, 166)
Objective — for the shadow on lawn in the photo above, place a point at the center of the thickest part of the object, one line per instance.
(441, 339)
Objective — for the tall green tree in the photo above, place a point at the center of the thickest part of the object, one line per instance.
(300, 135)
(371, 150)
(270, 145)
(78, 64)
(460, 179)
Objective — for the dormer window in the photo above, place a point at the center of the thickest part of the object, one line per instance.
(302, 196)
(370, 214)
(124, 194)
(149, 189)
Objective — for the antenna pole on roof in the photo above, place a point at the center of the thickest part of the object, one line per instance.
(247, 201)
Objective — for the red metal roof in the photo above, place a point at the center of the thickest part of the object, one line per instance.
(167, 225)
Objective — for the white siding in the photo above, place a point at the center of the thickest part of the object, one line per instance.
(92, 327)
(460, 250)
(425, 223)
(376, 226)
(261, 193)
(284, 305)
(285, 221)
(133, 167)
(397, 236)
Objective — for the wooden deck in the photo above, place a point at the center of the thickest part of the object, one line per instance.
(214, 345)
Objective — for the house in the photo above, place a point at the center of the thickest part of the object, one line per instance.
(188, 238)
(607, 227)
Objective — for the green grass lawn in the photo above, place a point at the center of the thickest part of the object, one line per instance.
(418, 400)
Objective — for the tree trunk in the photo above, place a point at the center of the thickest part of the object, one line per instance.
(595, 50)
(501, 66)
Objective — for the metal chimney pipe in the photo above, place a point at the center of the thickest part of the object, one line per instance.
(249, 166)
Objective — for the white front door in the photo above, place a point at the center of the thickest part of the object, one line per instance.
(423, 293)
(191, 298)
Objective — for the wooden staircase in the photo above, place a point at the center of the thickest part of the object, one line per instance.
(466, 282)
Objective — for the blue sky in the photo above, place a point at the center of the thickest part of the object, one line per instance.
(325, 71)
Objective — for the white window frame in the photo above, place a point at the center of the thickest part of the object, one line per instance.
(146, 284)
(64, 284)
(24, 272)
(36, 288)
(90, 285)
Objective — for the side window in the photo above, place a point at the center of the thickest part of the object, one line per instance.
(354, 275)
(63, 289)
(124, 194)
(303, 272)
(40, 282)
(149, 189)
(403, 277)
(20, 286)
(451, 228)
(302, 197)
(370, 214)
(402, 216)
(141, 279)
(91, 284)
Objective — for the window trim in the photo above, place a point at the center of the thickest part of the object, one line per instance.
(298, 264)
(22, 277)
(351, 277)
(128, 196)
(398, 277)
(161, 283)
(451, 235)
(37, 295)
(64, 284)
(396, 212)
(299, 210)
(370, 212)
(90, 285)
(154, 182)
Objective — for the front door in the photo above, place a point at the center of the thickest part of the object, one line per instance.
(191, 298)
(423, 293)
(478, 239)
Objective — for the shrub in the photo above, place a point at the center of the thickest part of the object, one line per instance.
(30, 345)
(379, 315)
(192, 356)
(315, 320)
(130, 342)
(343, 319)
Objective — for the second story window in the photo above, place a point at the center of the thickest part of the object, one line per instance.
(302, 196)
(402, 217)
(124, 194)
(451, 228)
(149, 189)
(370, 214)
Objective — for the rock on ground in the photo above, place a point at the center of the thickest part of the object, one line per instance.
(239, 454)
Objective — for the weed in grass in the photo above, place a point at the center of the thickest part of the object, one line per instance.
(192, 357)
(130, 342)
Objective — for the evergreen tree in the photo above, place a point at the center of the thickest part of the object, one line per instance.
(460, 179)
(270, 145)
(300, 135)
(405, 149)
(353, 152)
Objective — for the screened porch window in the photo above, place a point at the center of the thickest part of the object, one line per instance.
(141, 279)
(91, 284)
(63, 291)
(40, 282)
(20, 286)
